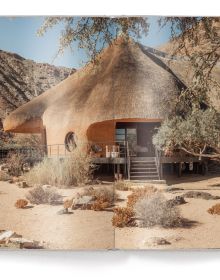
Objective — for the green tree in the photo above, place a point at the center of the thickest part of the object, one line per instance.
(197, 133)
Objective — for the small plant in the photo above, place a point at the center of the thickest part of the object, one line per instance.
(122, 185)
(21, 203)
(140, 193)
(40, 195)
(154, 210)
(215, 209)
(123, 216)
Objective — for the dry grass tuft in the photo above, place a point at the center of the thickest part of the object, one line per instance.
(74, 169)
(215, 209)
(21, 203)
(40, 195)
(123, 216)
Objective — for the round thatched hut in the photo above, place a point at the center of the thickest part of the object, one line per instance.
(124, 97)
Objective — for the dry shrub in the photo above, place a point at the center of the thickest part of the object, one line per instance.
(140, 193)
(103, 197)
(74, 169)
(21, 203)
(4, 176)
(15, 162)
(78, 167)
(123, 216)
(154, 210)
(215, 209)
(40, 195)
(122, 185)
(100, 205)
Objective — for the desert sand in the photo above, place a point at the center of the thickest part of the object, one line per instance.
(83, 229)
(87, 229)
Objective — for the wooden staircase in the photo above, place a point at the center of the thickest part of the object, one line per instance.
(144, 168)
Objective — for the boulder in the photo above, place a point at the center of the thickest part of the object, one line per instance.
(201, 195)
(25, 243)
(174, 189)
(7, 234)
(160, 241)
(178, 200)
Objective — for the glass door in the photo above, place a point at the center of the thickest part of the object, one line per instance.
(127, 132)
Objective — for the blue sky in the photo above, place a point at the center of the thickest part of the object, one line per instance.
(18, 35)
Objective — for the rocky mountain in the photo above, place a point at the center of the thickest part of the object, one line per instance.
(23, 79)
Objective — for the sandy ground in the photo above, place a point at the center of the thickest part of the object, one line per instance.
(86, 229)
(203, 230)
(83, 229)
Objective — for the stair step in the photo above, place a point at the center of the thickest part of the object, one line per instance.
(143, 158)
(143, 163)
(144, 172)
(143, 168)
(144, 178)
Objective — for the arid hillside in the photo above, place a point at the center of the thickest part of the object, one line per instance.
(22, 79)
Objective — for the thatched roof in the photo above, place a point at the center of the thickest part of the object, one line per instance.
(128, 82)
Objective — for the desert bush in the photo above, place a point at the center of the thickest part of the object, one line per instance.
(140, 193)
(4, 176)
(154, 210)
(101, 193)
(74, 169)
(123, 216)
(122, 185)
(100, 205)
(215, 209)
(21, 203)
(40, 195)
(103, 197)
(15, 162)
(78, 167)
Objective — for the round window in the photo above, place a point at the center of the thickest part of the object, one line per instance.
(70, 141)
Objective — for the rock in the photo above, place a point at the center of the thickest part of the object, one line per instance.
(173, 189)
(82, 201)
(201, 195)
(178, 200)
(160, 241)
(63, 212)
(6, 234)
(25, 243)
